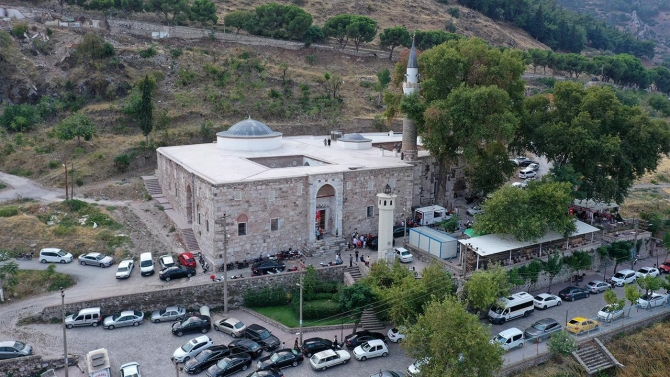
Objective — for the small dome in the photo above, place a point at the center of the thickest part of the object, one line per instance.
(356, 138)
(249, 128)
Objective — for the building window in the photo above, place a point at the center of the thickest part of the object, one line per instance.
(271, 196)
(371, 186)
(348, 185)
(238, 195)
(371, 211)
(299, 190)
(207, 224)
(274, 225)
(242, 229)
(198, 218)
(392, 182)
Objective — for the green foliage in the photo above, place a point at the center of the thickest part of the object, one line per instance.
(319, 309)
(485, 287)
(77, 205)
(171, 10)
(149, 52)
(19, 118)
(186, 76)
(310, 59)
(93, 47)
(392, 37)
(354, 299)
(313, 35)
(9, 211)
(258, 298)
(552, 267)
(280, 21)
(77, 125)
(632, 293)
(19, 29)
(659, 103)
(619, 251)
(239, 20)
(650, 284)
(8, 273)
(454, 12)
(451, 225)
(203, 11)
(579, 260)
(427, 39)
(122, 161)
(350, 27)
(175, 52)
(562, 343)
(547, 81)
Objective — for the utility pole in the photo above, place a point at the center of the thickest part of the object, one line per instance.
(301, 275)
(62, 297)
(634, 249)
(222, 221)
(72, 184)
(66, 192)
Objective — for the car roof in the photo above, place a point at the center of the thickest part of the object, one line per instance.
(326, 353)
(51, 249)
(166, 257)
(93, 254)
(127, 312)
(401, 249)
(201, 339)
(247, 342)
(125, 263)
(375, 342)
(544, 295)
(7, 343)
(625, 271)
(596, 282)
(579, 319)
(547, 320)
(186, 254)
(510, 332)
(255, 326)
(230, 320)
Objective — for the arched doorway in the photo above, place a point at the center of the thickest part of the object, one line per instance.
(189, 204)
(325, 210)
(459, 187)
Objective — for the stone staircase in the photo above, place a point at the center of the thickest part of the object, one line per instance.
(190, 242)
(152, 186)
(355, 272)
(369, 320)
(327, 244)
(594, 357)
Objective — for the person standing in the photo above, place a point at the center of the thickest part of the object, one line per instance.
(295, 345)
(325, 142)
(329, 142)
(367, 261)
(356, 255)
(351, 260)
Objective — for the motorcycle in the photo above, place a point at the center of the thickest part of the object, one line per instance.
(336, 263)
(578, 278)
(294, 268)
(295, 254)
(205, 267)
(25, 256)
(229, 266)
(258, 260)
(237, 277)
(243, 264)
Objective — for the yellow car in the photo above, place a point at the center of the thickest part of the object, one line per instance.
(579, 325)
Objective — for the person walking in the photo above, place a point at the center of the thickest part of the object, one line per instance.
(329, 142)
(295, 345)
(351, 260)
(325, 142)
(356, 255)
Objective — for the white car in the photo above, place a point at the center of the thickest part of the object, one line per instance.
(414, 370)
(624, 277)
(165, 261)
(610, 313)
(534, 166)
(652, 301)
(329, 358)
(370, 349)
(546, 300)
(520, 184)
(403, 255)
(647, 271)
(525, 174)
(474, 210)
(130, 370)
(125, 269)
(191, 348)
(396, 334)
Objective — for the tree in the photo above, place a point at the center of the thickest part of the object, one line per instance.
(312, 35)
(650, 284)
(613, 301)
(19, 118)
(425, 40)
(361, 29)
(485, 287)
(336, 28)
(552, 267)
(562, 343)
(171, 10)
(632, 294)
(383, 80)
(579, 260)
(393, 37)
(8, 278)
(469, 352)
(145, 110)
(619, 251)
(239, 19)
(280, 21)
(203, 11)
(77, 125)
(527, 215)
(354, 299)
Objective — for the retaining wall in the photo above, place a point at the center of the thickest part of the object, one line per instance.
(210, 294)
(33, 365)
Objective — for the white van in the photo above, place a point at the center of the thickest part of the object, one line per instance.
(515, 306)
(54, 255)
(146, 264)
(85, 317)
(509, 339)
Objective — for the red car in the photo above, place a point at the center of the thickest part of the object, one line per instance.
(187, 259)
(665, 267)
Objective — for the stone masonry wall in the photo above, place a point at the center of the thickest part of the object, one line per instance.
(33, 365)
(210, 294)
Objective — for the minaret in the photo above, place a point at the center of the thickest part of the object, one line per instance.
(385, 205)
(410, 86)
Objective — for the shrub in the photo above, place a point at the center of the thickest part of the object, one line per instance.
(19, 118)
(454, 12)
(94, 47)
(547, 81)
(176, 52)
(258, 298)
(562, 343)
(9, 211)
(77, 205)
(149, 52)
(321, 309)
(19, 29)
(100, 219)
(186, 77)
(62, 230)
(313, 35)
(79, 182)
(122, 161)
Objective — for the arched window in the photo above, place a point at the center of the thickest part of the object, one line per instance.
(242, 221)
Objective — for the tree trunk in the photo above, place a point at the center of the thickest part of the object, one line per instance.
(391, 53)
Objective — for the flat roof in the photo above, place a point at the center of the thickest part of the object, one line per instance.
(594, 205)
(432, 233)
(494, 243)
(220, 166)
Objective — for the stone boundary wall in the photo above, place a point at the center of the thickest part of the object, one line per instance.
(33, 365)
(209, 294)
(603, 336)
(295, 330)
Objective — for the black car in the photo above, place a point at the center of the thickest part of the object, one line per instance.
(282, 358)
(270, 266)
(229, 365)
(313, 345)
(398, 231)
(194, 323)
(247, 346)
(573, 293)
(205, 359)
(261, 335)
(176, 272)
(272, 372)
(373, 243)
(356, 339)
(525, 163)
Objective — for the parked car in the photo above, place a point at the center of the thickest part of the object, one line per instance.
(579, 325)
(230, 326)
(287, 357)
(96, 259)
(246, 345)
(329, 358)
(509, 339)
(396, 334)
(651, 301)
(373, 243)
(187, 259)
(533, 165)
(647, 271)
(356, 339)
(546, 300)
(54, 255)
(262, 336)
(176, 272)
(371, 348)
(272, 372)
(573, 293)
(522, 160)
(205, 359)
(414, 369)
(624, 277)
(84, 317)
(269, 266)
(313, 345)
(542, 329)
(191, 348)
(194, 323)
(403, 255)
(131, 369)
(398, 231)
(665, 267)
(610, 312)
(171, 313)
(523, 184)
(125, 318)
(165, 261)
(525, 174)
(13, 348)
(597, 286)
(229, 365)
(474, 210)
(527, 162)
(125, 269)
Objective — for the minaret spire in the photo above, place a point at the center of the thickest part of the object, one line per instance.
(411, 85)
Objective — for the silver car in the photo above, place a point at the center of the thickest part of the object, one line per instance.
(597, 286)
(96, 259)
(11, 349)
(171, 313)
(231, 326)
(125, 269)
(125, 318)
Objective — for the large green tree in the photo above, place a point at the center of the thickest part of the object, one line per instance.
(171, 10)
(145, 110)
(350, 27)
(280, 21)
(77, 125)
(393, 37)
(239, 20)
(354, 299)
(203, 11)
(619, 251)
(453, 342)
(485, 287)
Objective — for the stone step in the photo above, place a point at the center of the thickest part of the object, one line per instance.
(189, 239)
(369, 320)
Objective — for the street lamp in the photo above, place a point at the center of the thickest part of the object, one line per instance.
(67, 365)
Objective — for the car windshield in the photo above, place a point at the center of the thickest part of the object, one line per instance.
(591, 284)
(189, 260)
(500, 339)
(187, 347)
(643, 270)
(122, 269)
(404, 253)
(573, 322)
(223, 363)
(99, 257)
(19, 346)
(275, 357)
(365, 347)
(254, 346)
(116, 316)
(239, 325)
(61, 253)
(204, 355)
(314, 359)
(619, 275)
(264, 334)
(496, 309)
(163, 311)
(539, 326)
(146, 263)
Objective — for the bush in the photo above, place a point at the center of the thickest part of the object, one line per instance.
(19, 29)
(454, 12)
(122, 161)
(62, 230)
(149, 52)
(94, 47)
(562, 343)
(100, 219)
(19, 118)
(9, 211)
(176, 52)
(77, 205)
(258, 298)
(321, 309)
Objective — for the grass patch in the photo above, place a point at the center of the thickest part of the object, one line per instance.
(36, 282)
(3, 185)
(285, 315)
